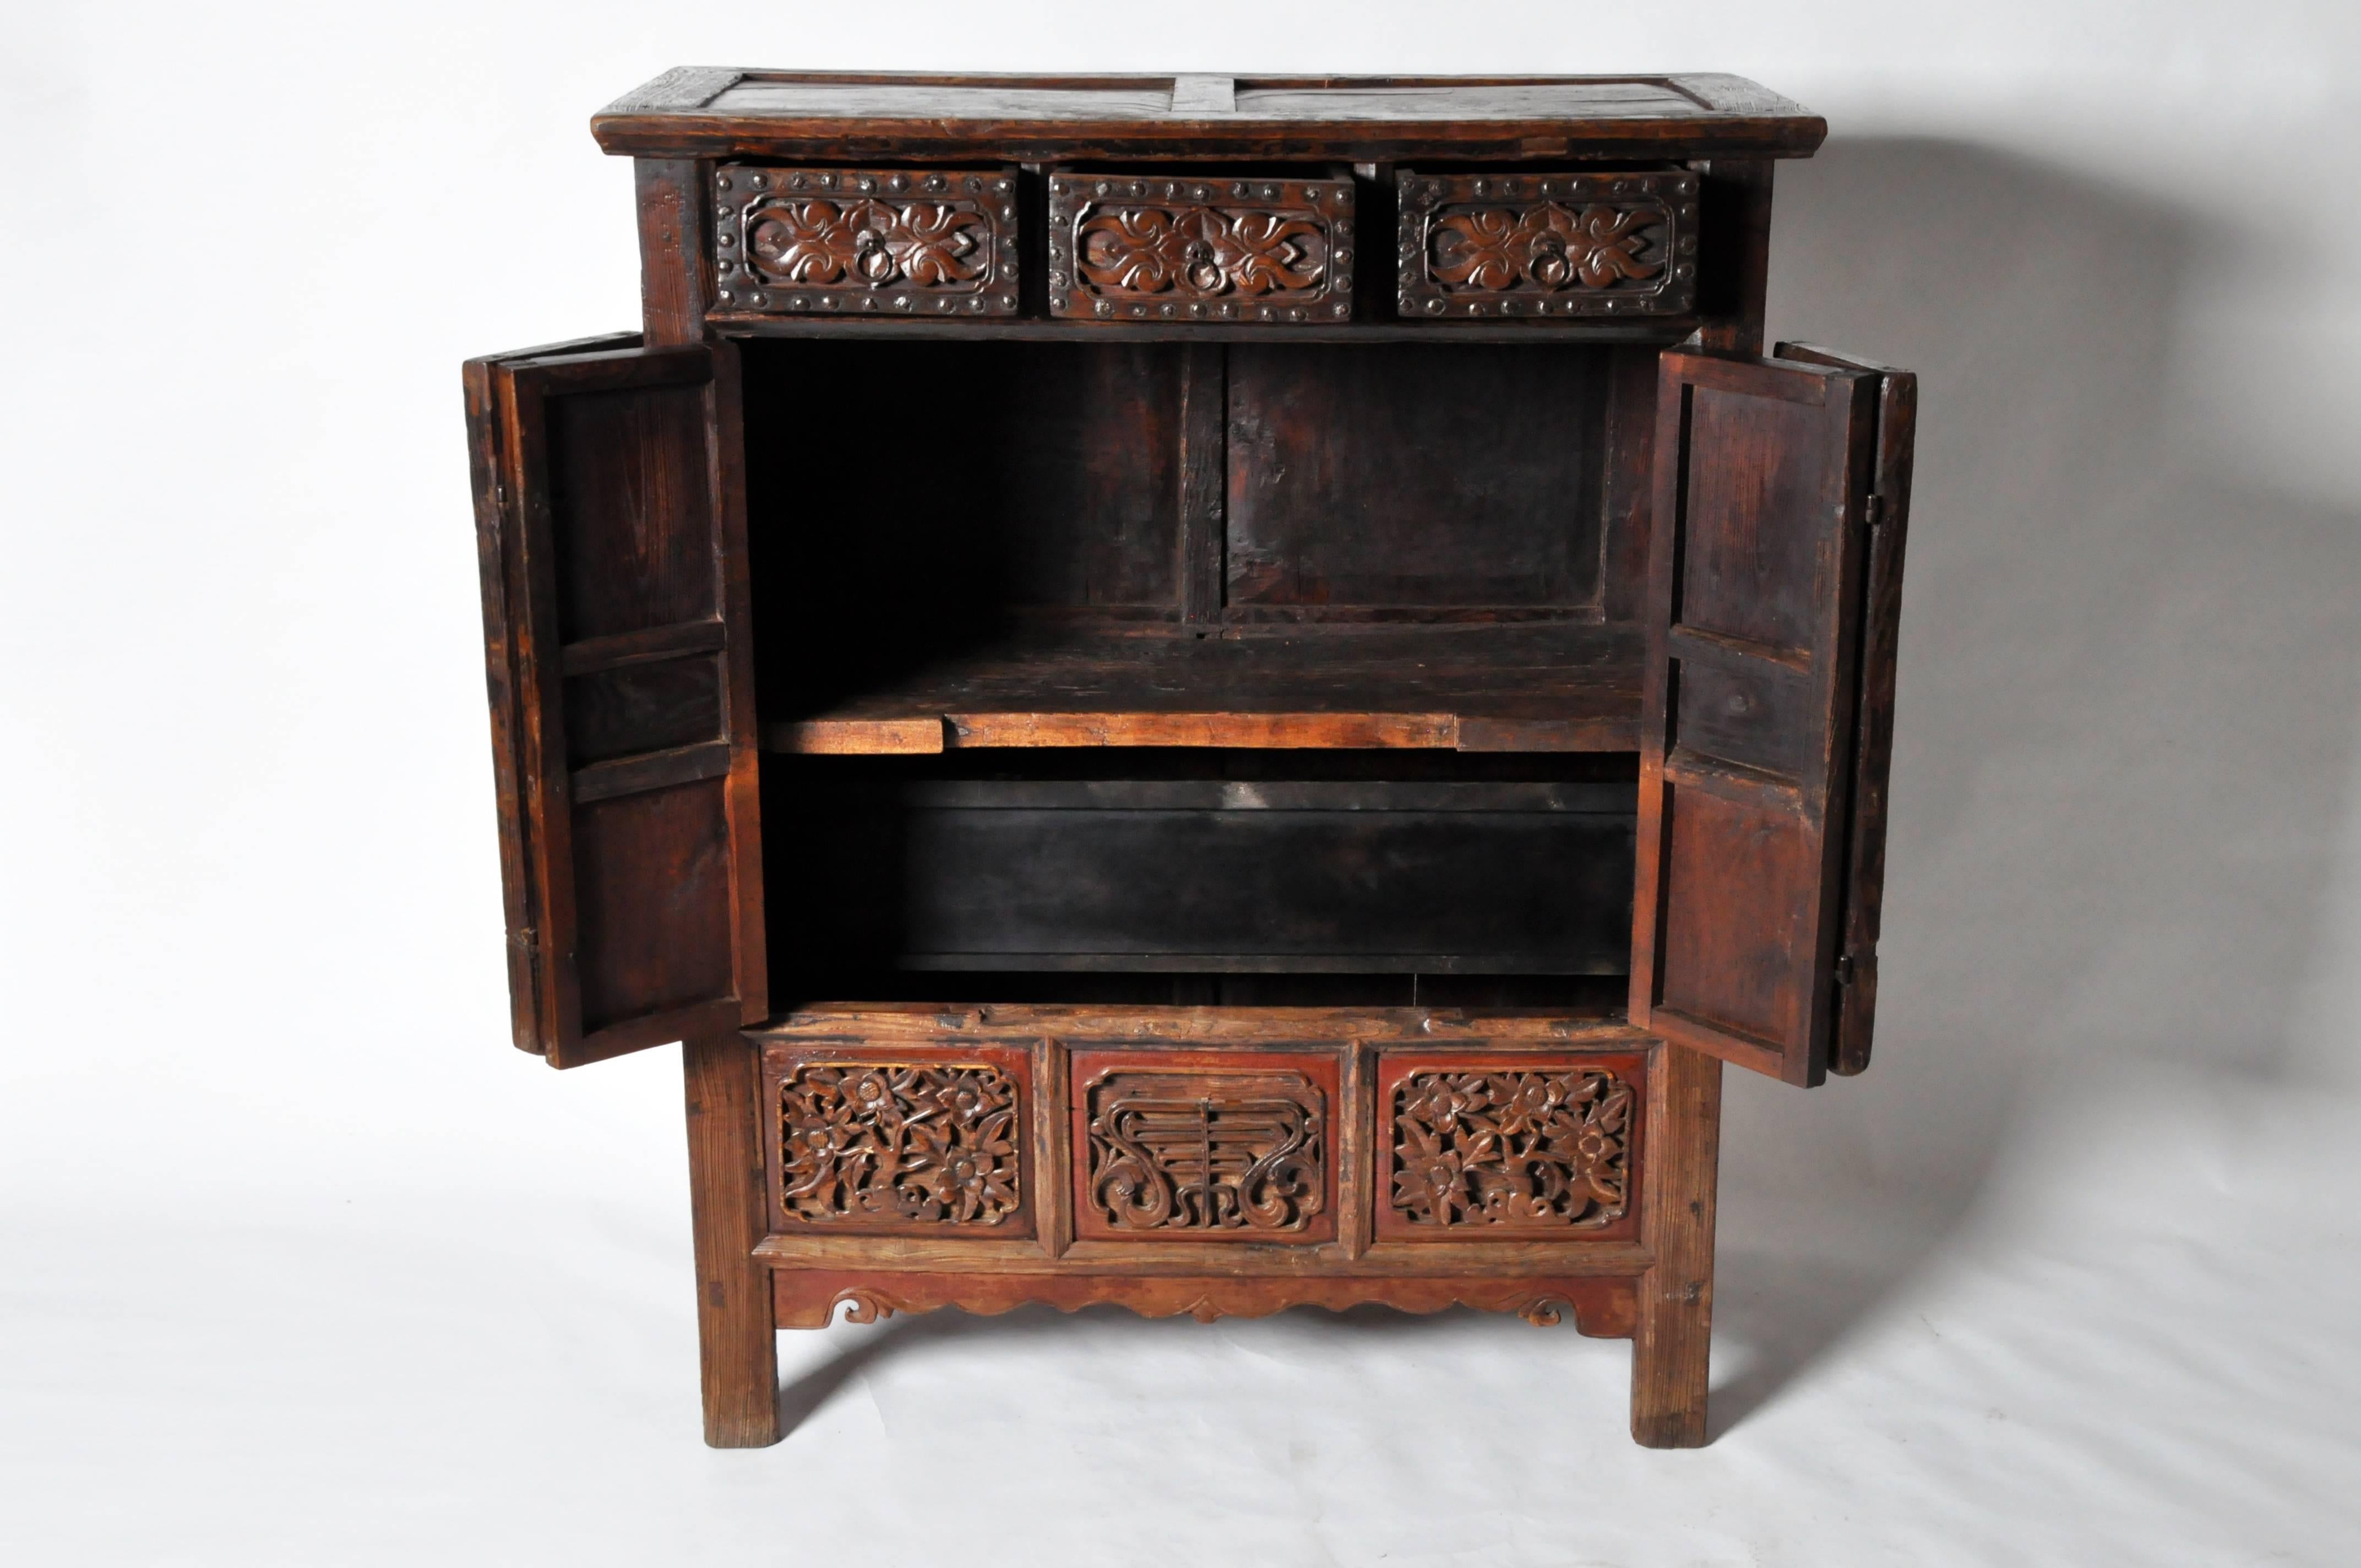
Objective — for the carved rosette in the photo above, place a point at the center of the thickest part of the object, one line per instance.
(1123, 248)
(928, 1145)
(872, 242)
(1546, 245)
(1546, 1150)
(1208, 1152)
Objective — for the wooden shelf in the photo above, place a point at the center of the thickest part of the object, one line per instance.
(1527, 687)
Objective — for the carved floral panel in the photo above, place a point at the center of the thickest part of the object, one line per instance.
(1547, 1147)
(1176, 248)
(929, 1145)
(1546, 245)
(850, 241)
(1240, 1153)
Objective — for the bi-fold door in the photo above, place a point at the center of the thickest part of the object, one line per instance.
(611, 538)
(1781, 495)
(617, 636)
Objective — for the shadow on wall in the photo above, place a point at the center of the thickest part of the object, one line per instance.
(2127, 721)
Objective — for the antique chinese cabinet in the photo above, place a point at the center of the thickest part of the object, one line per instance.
(1204, 693)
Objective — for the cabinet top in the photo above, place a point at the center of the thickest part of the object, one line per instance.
(701, 111)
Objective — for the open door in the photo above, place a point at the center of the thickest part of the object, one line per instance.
(611, 529)
(1776, 567)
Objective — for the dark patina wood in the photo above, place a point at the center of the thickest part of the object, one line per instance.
(1309, 688)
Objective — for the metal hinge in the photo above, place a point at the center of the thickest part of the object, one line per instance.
(1872, 513)
(1844, 969)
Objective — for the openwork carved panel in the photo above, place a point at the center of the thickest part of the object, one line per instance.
(864, 242)
(1546, 245)
(1540, 1148)
(1201, 249)
(925, 1145)
(1240, 1153)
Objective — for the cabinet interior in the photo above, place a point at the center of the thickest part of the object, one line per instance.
(1369, 588)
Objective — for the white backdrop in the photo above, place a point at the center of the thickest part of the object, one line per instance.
(301, 1263)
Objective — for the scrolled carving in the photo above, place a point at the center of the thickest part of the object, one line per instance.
(1513, 1148)
(933, 245)
(918, 1143)
(865, 240)
(862, 1306)
(1207, 1152)
(1547, 244)
(1201, 249)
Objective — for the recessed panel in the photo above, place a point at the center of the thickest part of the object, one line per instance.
(1751, 712)
(1201, 1146)
(1752, 567)
(631, 504)
(928, 1140)
(1742, 894)
(635, 708)
(1443, 479)
(1524, 1146)
(1187, 875)
(652, 891)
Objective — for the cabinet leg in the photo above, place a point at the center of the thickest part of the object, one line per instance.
(1675, 1332)
(737, 1341)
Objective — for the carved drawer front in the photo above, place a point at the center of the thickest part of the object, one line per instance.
(1523, 1147)
(1200, 247)
(903, 242)
(1230, 1145)
(870, 1140)
(1550, 245)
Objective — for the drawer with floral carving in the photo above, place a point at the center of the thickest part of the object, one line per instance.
(903, 242)
(1546, 245)
(1484, 1147)
(1205, 1145)
(918, 1141)
(1201, 247)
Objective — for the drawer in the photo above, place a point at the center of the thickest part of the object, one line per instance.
(1475, 1145)
(864, 241)
(1212, 1146)
(919, 1139)
(1546, 245)
(1144, 875)
(1200, 247)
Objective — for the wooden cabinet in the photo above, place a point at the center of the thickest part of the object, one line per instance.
(1212, 693)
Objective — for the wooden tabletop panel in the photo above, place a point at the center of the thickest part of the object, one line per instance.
(699, 111)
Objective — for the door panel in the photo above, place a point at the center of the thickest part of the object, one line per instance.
(609, 513)
(1762, 499)
(1872, 751)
